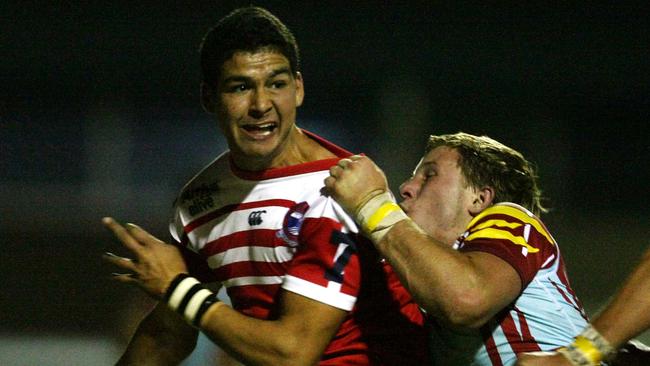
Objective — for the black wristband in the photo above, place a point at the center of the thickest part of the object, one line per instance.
(172, 286)
(209, 301)
(189, 298)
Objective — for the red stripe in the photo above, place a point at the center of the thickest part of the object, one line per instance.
(518, 342)
(260, 237)
(561, 273)
(235, 207)
(490, 346)
(568, 300)
(254, 300)
(529, 342)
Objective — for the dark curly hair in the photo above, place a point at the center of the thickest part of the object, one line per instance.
(245, 29)
(487, 162)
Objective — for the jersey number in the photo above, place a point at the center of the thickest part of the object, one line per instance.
(335, 273)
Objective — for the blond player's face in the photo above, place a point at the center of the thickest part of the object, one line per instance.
(257, 98)
(436, 197)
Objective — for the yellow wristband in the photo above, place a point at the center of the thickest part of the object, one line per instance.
(588, 349)
(383, 211)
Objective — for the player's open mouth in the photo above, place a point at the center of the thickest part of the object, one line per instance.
(260, 130)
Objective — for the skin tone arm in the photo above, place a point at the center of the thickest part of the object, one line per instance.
(461, 289)
(627, 316)
(293, 339)
(162, 338)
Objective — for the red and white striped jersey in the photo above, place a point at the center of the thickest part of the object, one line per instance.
(547, 314)
(257, 233)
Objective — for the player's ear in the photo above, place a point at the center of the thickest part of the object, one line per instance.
(208, 98)
(300, 89)
(483, 198)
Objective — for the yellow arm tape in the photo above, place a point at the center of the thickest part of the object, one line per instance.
(384, 210)
(588, 349)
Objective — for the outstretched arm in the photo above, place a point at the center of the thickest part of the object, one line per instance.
(299, 336)
(627, 316)
(460, 289)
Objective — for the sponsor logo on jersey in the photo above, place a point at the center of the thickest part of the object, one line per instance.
(200, 198)
(292, 223)
(255, 217)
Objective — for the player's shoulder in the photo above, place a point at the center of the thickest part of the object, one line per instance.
(511, 215)
(506, 211)
(206, 181)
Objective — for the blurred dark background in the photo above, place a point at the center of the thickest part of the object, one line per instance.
(100, 115)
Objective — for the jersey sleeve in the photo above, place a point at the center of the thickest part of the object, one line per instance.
(197, 266)
(513, 234)
(325, 266)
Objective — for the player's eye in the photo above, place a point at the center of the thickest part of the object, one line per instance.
(236, 88)
(429, 174)
(279, 84)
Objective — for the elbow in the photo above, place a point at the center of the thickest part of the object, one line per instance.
(290, 351)
(466, 310)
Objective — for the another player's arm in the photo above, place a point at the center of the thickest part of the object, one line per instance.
(626, 316)
(298, 336)
(462, 289)
(162, 338)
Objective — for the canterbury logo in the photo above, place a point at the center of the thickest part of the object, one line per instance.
(255, 217)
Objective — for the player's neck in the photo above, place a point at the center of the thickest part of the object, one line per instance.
(298, 149)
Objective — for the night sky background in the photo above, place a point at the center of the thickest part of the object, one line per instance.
(100, 115)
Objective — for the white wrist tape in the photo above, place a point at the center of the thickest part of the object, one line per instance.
(189, 298)
(588, 349)
(378, 215)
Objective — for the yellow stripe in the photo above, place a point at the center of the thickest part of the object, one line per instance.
(383, 211)
(517, 212)
(499, 223)
(491, 233)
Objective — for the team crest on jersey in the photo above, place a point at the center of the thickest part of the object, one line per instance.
(292, 223)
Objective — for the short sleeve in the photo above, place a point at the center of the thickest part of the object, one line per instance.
(513, 234)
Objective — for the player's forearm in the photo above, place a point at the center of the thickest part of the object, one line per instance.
(292, 339)
(253, 341)
(162, 338)
(441, 280)
(628, 314)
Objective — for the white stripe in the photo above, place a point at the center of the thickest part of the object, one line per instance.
(279, 254)
(237, 221)
(180, 291)
(548, 260)
(195, 303)
(253, 280)
(526, 232)
(322, 294)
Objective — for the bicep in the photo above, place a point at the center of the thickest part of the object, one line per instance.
(499, 282)
(313, 324)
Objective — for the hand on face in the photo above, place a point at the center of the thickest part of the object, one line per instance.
(155, 265)
(542, 359)
(355, 180)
